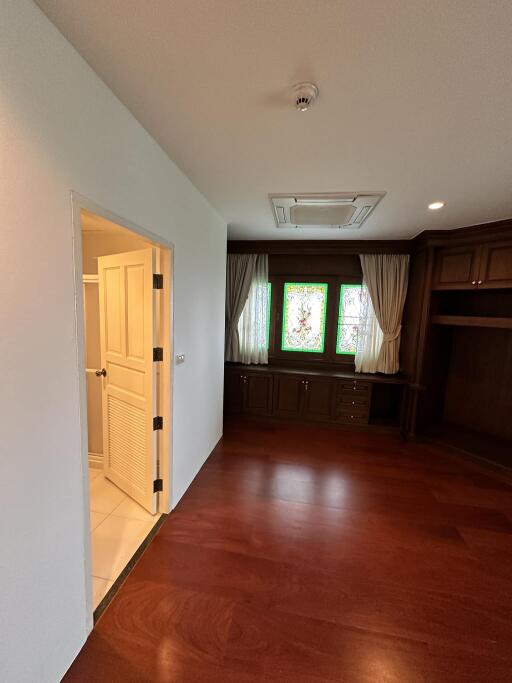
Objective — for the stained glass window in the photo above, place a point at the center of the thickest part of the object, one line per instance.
(349, 319)
(304, 311)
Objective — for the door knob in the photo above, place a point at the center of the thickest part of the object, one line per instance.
(101, 373)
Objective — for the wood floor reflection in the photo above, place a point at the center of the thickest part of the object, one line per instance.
(309, 553)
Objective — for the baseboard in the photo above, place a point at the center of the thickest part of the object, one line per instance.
(466, 456)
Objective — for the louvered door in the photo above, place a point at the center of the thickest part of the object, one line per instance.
(127, 328)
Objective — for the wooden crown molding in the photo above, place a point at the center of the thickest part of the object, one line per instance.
(428, 238)
(318, 247)
(466, 235)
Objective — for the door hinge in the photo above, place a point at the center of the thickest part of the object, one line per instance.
(158, 353)
(158, 423)
(158, 485)
(158, 281)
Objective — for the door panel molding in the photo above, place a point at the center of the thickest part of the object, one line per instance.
(128, 315)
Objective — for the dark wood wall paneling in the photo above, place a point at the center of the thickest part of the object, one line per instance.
(462, 383)
(477, 397)
(457, 376)
(318, 265)
(319, 247)
(334, 261)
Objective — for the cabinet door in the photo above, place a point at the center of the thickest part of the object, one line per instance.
(496, 265)
(234, 390)
(457, 268)
(288, 390)
(258, 397)
(319, 399)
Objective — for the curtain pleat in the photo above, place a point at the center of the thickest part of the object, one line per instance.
(385, 276)
(369, 339)
(239, 276)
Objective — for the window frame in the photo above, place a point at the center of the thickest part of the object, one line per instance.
(340, 317)
(329, 355)
(324, 285)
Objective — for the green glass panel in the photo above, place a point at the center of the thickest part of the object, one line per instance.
(304, 311)
(349, 319)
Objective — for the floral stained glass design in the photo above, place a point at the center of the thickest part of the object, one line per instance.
(349, 319)
(304, 311)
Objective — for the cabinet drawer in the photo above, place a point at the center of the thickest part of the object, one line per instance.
(353, 386)
(352, 419)
(353, 398)
(344, 409)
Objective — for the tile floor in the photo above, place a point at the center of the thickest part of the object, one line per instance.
(118, 527)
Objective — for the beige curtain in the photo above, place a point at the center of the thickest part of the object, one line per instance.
(386, 277)
(239, 275)
(369, 338)
(253, 323)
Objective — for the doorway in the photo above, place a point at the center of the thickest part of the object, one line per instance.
(126, 278)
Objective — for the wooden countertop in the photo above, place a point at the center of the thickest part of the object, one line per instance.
(325, 371)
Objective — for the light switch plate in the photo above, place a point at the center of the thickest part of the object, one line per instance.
(180, 358)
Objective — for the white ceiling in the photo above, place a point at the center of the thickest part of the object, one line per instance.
(415, 99)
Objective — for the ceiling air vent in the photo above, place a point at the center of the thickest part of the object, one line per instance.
(330, 210)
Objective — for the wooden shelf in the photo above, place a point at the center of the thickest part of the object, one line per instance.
(472, 321)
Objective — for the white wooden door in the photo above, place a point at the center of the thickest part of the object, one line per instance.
(127, 331)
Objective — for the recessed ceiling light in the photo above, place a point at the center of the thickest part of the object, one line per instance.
(434, 206)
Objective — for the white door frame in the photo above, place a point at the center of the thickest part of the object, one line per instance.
(79, 203)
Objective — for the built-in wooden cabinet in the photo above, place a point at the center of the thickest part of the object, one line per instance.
(288, 395)
(234, 392)
(247, 392)
(320, 396)
(258, 393)
(457, 340)
(456, 268)
(484, 266)
(298, 395)
(496, 265)
(353, 402)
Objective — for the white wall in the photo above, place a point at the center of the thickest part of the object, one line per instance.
(62, 129)
(103, 243)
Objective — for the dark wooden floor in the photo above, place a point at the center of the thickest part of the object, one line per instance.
(309, 553)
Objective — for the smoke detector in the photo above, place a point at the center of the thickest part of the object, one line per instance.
(304, 94)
